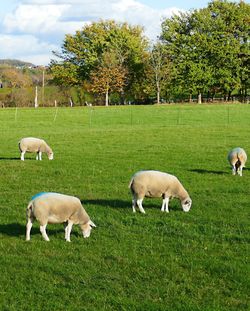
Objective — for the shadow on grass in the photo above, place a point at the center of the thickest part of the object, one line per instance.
(108, 203)
(2, 158)
(147, 203)
(14, 229)
(18, 230)
(202, 171)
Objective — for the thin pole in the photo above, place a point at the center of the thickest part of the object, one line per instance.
(43, 89)
(55, 114)
(36, 103)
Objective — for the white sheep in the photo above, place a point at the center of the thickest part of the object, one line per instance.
(237, 158)
(50, 207)
(155, 184)
(32, 144)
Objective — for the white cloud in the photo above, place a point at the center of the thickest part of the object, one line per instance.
(40, 25)
(34, 18)
(60, 17)
(26, 46)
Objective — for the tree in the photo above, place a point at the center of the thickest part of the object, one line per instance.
(205, 46)
(231, 32)
(15, 78)
(84, 52)
(108, 77)
(160, 67)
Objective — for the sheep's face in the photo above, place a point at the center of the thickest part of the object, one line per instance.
(51, 156)
(86, 228)
(186, 204)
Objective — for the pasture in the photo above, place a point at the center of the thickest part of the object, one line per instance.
(157, 261)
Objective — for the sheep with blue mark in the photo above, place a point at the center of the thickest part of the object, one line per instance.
(50, 207)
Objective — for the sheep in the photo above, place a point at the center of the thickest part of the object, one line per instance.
(237, 158)
(155, 184)
(31, 144)
(50, 207)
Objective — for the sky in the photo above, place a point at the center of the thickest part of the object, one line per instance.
(31, 29)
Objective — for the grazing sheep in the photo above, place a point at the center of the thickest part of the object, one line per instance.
(50, 207)
(31, 144)
(155, 184)
(237, 159)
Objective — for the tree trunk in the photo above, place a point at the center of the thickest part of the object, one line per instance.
(107, 98)
(199, 98)
(158, 92)
(190, 98)
(158, 97)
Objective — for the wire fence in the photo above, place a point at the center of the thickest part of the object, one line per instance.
(116, 116)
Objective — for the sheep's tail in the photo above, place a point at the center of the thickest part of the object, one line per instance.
(29, 210)
(131, 184)
(19, 146)
(239, 161)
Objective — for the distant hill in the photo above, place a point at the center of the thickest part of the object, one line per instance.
(15, 63)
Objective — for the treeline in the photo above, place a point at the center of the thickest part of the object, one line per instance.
(199, 55)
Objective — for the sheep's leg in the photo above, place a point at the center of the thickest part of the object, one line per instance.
(37, 156)
(139, 204)
(22, 155)
(133, 204)
(43, 232)
(65, 225)
(240, 170)
(28, 228)
(68, 230)
(164, 207)
(233, 169)
(40, 155)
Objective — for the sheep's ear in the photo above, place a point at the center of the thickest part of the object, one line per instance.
(90, 222)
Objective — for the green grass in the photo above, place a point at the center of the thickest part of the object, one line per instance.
(157, 261)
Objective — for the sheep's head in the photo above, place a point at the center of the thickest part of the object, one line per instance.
(51, 155)
(186, 204)
(86, 228)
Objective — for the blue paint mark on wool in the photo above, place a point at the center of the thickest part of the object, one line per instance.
(38, 195)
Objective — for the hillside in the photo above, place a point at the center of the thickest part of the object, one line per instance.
(15, 63)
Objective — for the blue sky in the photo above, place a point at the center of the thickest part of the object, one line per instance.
(31, 29)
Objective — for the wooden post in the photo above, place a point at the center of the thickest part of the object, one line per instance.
(36, 103)
(43, 89)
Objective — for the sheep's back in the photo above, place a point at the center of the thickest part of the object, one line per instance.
(153, 183)
(237, 154)
(31, 144)
(55, 206)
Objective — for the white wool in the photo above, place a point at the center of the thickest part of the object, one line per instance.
(49, 207)
(237, 158)
(37, 145)
(155, 184)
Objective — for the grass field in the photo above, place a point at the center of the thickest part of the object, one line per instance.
(157, 261)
